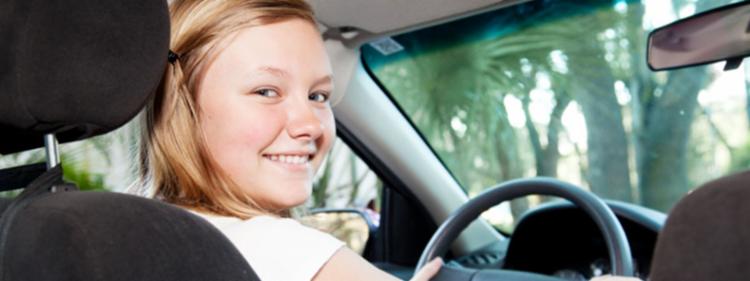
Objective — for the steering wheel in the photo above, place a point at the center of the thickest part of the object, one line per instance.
(614, 236)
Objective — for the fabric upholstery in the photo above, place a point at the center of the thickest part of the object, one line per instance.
(73, 235)
(707, 234)
(76, 68)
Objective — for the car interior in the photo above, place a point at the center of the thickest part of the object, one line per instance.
(445, 186)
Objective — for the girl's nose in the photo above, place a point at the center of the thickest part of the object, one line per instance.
(303, 121)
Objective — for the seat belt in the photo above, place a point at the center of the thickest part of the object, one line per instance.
(21, 176)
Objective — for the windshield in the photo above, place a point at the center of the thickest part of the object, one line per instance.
(562, 89)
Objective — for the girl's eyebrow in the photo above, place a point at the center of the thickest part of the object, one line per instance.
(328, 79)
(273, 71)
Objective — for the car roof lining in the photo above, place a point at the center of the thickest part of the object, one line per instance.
(343, 22)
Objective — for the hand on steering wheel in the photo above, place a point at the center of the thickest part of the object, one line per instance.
(614, 236)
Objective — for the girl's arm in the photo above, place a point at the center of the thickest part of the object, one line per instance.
(345, 264)
(614, 278)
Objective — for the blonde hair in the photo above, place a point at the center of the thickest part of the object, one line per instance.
(175, 161)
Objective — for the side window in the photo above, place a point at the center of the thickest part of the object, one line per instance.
(377, 217)
(101, 163)
(346, 198)
(344, 181)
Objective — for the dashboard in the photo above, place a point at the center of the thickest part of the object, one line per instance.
(561, 240)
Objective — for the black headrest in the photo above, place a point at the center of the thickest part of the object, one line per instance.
(76, 68)
(707, 234)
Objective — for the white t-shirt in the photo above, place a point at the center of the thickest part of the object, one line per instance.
(278, 248)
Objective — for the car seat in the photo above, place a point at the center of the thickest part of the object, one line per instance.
(70, 70)
(707, 234)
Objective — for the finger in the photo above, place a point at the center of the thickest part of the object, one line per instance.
(614, 278)
(428, 270)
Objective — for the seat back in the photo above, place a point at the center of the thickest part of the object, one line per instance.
(74, 235)
(707, 234)
(75, 69)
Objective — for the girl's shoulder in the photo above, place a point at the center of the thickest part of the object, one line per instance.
(278, 248)
(265, 228)
(274, 227)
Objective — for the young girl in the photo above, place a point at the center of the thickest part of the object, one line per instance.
(238, 128)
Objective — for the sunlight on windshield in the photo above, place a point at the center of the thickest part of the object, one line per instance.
(562, 89)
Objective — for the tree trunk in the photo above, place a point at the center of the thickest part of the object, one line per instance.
(747, 92)
(546, 157)
(506, 153)
(608, 173)
(536, 143)
(666, 132)
(551, 154)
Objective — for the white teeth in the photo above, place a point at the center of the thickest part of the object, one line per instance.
(289, 159)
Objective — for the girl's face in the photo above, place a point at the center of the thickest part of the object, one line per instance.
(264, 110)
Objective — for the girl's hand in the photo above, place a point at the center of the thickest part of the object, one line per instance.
(614, 278)
(432, 268)
(429, 270)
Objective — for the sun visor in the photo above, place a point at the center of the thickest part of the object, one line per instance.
(345, 62)
(76, 68)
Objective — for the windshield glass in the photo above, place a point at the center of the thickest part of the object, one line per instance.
(562, 89)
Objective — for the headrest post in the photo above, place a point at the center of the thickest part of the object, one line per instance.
(50, 148)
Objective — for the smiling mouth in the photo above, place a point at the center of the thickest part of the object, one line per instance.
(291, 159)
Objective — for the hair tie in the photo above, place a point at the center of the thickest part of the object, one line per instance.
(172, 57)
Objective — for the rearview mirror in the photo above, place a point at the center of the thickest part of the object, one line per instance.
(710, 36)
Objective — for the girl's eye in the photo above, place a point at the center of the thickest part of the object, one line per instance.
(271, 93)
(318, 97)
